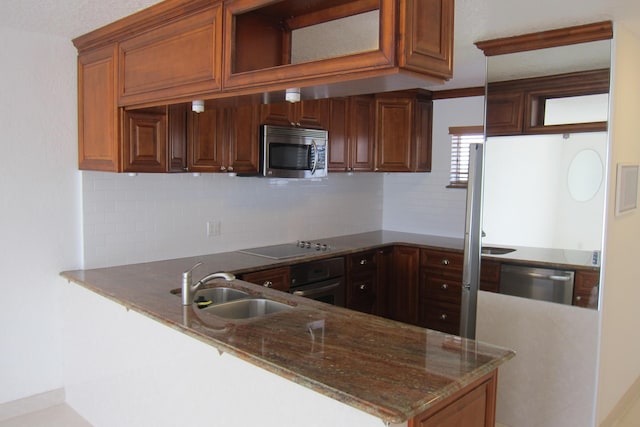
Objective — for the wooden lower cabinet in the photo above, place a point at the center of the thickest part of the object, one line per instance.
(367, 276)
(362, 282)
(585, 290)
(440, 290)
(402, 292)
(489, 275)
(275, 278)
(473, 406)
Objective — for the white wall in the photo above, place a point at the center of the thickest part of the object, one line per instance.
(159, 216)
(39, 191)
(620, 345)
(421, 202)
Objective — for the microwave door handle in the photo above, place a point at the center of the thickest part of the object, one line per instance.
(315, 161)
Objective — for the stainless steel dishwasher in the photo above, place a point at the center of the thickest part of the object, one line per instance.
(537, 283)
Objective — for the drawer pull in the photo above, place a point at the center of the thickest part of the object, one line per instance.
(443, 316)
(444, 286)
(363, 262)
(363, 286)
(268, 284)
(445, 261)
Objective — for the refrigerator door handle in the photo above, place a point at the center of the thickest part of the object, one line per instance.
(471, 260)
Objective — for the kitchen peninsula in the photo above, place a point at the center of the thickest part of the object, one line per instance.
(379, 368)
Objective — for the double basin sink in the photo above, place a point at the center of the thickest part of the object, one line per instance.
(230, 303)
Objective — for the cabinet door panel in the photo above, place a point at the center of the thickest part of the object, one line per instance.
(428, 43)
(145, 141)
(207, 140)
(180, 58)
(394, 121)
(177, 134)
(361, 132)
(244, 149)
(338, 156)
(404, 291)
(98, 130)
(505, 113)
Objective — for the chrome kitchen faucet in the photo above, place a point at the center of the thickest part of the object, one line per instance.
(189, 289)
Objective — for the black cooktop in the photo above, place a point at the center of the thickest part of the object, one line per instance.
(288, 250)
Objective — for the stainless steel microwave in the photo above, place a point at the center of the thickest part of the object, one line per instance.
(288, 152)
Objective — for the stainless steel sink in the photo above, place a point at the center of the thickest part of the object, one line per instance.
(209, 296)
(492, 250)
(247, 308)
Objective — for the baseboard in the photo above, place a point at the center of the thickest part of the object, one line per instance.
(629, 399)
(37, 402)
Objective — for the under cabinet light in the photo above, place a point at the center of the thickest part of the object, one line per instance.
(197, 105)
(292, 94)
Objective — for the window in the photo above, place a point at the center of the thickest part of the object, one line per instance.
(461, 137)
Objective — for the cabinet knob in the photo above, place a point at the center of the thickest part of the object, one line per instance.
(363, 262)
(363, 286)
(443, 316)
(230, 168)
(445, 261)
(268, 284)
(444, 286)
(223, 168)
(298, 124)
(578, 298)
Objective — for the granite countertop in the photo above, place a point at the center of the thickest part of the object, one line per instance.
(550, 258)
(386, 368)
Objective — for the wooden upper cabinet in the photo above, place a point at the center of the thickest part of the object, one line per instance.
(516, 107)
(311, 114)
(207, 136)
(177, 137)
(505, 113)
(403, 132)
(177, 59)
(224, 140)
(263, 41)
(351, 134)
(244, 141)
(428, 39)
(145, 140)
(98, 119)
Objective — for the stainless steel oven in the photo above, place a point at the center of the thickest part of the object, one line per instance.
(321, 280)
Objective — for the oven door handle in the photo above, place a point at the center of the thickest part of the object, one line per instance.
(315, 291)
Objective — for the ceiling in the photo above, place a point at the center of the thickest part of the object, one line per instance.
(475, 20)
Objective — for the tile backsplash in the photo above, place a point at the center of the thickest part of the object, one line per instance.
(147, 217)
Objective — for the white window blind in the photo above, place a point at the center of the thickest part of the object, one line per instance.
(461, 137)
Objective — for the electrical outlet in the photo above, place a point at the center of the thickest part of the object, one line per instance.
(214, 228)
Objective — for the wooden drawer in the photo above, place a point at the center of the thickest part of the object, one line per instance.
(441, 316)
(440, 288)
(276, 278)
(442, 260)
(362, 292)
(361, 262)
